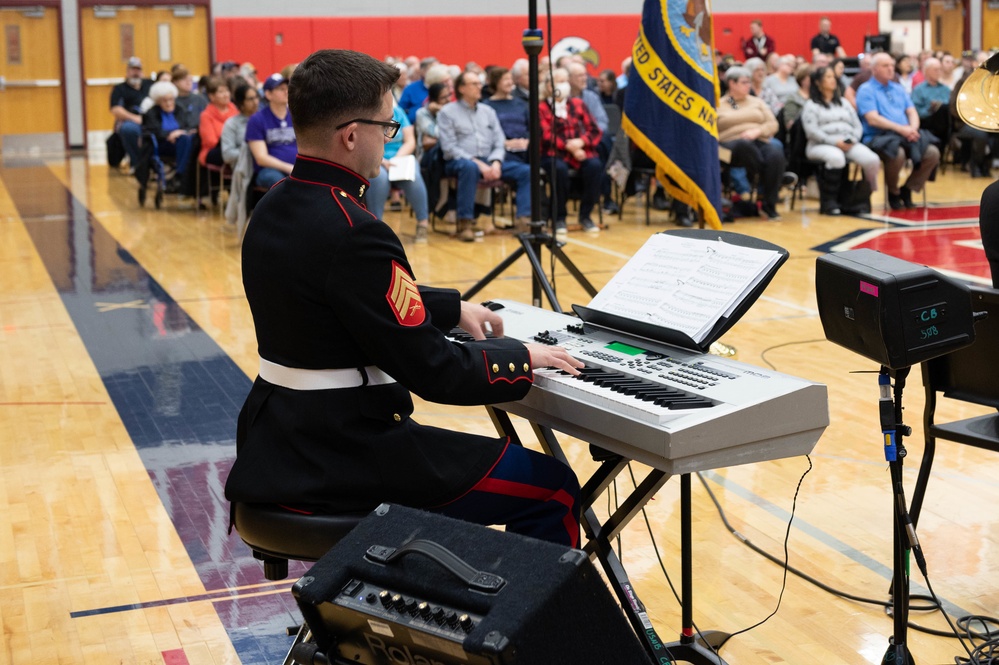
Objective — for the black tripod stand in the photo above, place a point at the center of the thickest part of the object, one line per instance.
(531, 242)
(904, 539)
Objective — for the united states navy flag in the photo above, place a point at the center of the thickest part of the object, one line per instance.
(669, 108)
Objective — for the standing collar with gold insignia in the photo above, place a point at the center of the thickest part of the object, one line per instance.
(321, 171)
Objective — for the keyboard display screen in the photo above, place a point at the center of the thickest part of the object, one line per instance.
(625, 349)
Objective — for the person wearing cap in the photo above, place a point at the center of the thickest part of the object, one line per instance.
(345, 332)
(271, 134)
(415, 94)
(126, 104)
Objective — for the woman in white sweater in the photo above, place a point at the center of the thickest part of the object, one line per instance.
(833, 130)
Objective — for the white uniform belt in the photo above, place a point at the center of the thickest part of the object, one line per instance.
(321, 379)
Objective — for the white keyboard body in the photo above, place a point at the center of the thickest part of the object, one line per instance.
(755, 414)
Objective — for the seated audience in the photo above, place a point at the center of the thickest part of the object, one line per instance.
(746, 126)
(426, 119)
(521, 72)
(172, 127)
(271, 135)
(904, 71)
(607, 88)
(126, 103)
(515, 119)
(782, 82)
(571, 142)
(401, 144)
(891, 129)
(796, 102)
(758, 74)
(931, 94)
(472, 140)
(834, 131)
(415, 93)
(213, 119)
(190, 101)
(247, 100)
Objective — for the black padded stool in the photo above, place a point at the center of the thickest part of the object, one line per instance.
(276, 536)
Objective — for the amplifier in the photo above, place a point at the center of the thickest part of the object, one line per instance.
(407, 587)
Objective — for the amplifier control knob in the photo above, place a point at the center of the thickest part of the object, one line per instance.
(438, 614)
(424, 609)
(451, 619)
(398, 602)
(385, 597)
(410, 606)
(466, 623)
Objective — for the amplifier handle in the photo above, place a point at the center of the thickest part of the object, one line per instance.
(475, 579)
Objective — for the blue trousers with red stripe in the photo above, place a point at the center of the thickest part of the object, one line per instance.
(531, 493)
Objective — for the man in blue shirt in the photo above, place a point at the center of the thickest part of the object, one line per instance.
(415, 94)
(891, 129)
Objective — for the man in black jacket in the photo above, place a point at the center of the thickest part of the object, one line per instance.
(345, 333)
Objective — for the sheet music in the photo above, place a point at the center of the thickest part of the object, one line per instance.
(684, 284)
(403, 168)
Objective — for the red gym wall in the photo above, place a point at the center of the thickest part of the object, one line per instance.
(272, 43)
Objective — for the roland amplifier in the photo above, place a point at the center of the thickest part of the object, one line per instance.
(407, 587)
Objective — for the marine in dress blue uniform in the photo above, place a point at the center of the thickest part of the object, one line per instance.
(345, 333)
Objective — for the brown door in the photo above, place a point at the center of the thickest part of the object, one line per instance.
(161, 36)
(947, 18)
(31, 97)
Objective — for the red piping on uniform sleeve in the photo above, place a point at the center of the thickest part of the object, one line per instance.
(503, 379)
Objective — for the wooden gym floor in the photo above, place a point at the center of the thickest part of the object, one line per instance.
(126, 349)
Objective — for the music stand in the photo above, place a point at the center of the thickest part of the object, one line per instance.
(532, 241)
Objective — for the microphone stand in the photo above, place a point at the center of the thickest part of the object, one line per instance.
(532, 241)
(904, 538)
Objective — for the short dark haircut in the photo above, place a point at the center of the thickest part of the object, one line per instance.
(333, 86)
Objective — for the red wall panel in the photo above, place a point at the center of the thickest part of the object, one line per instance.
(292, 41)
(497, 39)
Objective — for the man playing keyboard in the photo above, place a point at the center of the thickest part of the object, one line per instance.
(345, 333)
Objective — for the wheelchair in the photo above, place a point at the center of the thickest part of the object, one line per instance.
(160, 168)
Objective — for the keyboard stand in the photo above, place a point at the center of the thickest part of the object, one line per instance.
(600, 534)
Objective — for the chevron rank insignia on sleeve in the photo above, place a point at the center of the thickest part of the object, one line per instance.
(404, 298)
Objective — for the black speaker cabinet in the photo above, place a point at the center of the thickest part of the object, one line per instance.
(407, 587)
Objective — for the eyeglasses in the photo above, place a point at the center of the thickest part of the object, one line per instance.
(389, 127)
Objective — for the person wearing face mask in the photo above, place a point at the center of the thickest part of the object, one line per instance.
(569, 138)
(126, 103)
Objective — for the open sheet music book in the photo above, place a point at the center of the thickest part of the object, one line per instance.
(685, 284)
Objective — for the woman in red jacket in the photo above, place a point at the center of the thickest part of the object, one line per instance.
(213, 118)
